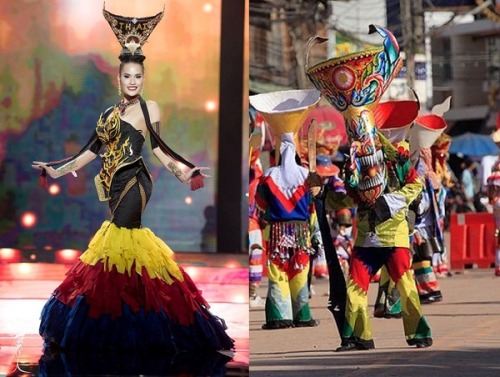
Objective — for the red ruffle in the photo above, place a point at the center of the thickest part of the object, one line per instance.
(105, 291)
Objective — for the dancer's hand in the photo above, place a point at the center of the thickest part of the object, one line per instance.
(315, 190)
(43, 165)
(190, 173)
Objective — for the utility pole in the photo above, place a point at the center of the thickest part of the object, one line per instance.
(412, 22)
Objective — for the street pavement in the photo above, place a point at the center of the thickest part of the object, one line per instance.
(465, 327)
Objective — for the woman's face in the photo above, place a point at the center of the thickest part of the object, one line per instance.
(131, 79)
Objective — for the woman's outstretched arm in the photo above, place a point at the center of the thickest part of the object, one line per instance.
(171, 165)
(167, 161)
(71, 166)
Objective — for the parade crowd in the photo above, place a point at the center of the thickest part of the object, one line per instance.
(372, 211)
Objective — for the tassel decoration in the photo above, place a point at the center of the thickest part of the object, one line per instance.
(196, 181)
(42, 180)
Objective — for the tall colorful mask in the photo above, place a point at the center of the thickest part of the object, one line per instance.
(440, 154)
(285, 111)
(354, 84)
(427, 139)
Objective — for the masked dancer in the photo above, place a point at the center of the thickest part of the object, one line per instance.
(394, 119)
(440, 155)
(354, 84)
(287, 209)
(428, 238)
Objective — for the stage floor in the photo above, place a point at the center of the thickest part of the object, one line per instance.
(24, 288)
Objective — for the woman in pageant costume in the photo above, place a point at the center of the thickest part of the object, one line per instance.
(126, 292)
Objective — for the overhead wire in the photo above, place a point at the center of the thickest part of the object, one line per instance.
(334, 23)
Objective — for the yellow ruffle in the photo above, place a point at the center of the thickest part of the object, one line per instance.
(125, 248)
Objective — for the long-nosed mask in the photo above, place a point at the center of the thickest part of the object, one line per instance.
(354, 84)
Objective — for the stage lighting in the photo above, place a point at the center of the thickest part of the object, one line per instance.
(231, 264)
(188, 200)
(210, 106)
(207, 7)
(8, 255)
(240, 299)
(24, 269)
(28, 219)
(192, 271)
(54, 189)
(67, 256)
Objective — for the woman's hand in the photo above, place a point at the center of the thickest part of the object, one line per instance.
(189, 174)
(43, 165)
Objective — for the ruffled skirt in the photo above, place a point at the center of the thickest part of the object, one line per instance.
(127, 292)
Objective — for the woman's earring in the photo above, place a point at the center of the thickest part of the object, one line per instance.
(119, 88)
(142, 91)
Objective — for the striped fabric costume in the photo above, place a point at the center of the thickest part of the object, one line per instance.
(428, 240)
(425, 242)
(286, 205)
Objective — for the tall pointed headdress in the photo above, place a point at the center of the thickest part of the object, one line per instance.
(131, 32)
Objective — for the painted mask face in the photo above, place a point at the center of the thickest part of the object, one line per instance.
(439, 156)
(367, 166)
(354, 84)
(439, 159)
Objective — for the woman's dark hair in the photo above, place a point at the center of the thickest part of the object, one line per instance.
(129, 58)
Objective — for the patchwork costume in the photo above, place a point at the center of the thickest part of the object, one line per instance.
(287, 209)
(354, 84)
(394, 119)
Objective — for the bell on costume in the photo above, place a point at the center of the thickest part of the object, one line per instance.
(354, 84)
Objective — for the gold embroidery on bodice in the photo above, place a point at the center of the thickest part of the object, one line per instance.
(119, 152)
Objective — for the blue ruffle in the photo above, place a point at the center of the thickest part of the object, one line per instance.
(162, 363)
(72, 329)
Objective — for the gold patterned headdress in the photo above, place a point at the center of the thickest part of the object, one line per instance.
(131, 32)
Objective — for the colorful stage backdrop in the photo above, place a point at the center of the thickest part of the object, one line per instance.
(58, 73)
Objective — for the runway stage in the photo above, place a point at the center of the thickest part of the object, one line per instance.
(24, 288)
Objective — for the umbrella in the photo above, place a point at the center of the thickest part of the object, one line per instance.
(473, 145)
(331, 126)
